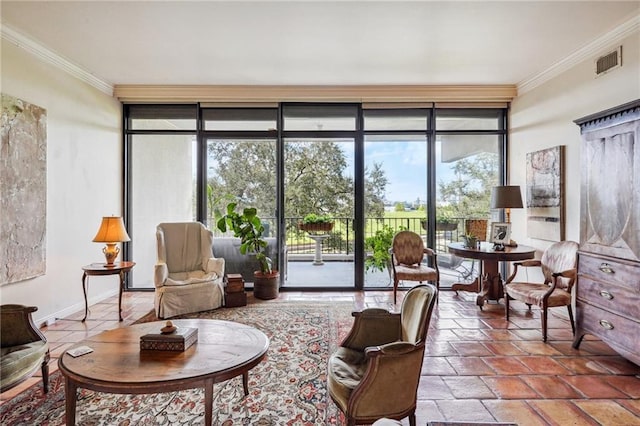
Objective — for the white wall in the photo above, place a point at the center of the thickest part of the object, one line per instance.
(543, 118)
(84, 181)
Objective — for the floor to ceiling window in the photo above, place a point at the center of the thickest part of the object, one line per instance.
(368, 170)
(161, 178)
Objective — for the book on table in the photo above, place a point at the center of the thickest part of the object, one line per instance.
(179, 340)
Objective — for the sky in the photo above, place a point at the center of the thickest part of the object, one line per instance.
(405, 166)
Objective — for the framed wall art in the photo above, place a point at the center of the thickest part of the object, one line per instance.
(23, 190)
(545, 194)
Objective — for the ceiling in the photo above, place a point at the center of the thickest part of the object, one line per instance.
(316, 43)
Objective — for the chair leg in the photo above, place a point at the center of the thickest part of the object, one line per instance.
(506, 306)
(45, 373)
(395, 289)
(412, 419)
(544, 324)
(573, 325)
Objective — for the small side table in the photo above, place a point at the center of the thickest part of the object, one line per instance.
(118, 268)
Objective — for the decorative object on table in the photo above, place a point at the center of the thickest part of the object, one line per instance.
(500, 234)
(471, 241)
(234, 294)
(187, 277)
(314, 223)
(545, 194)
(23, 190)
(407, 253)
(24, 347)
(476, 228)
(111, 232)
(249, 228)
(180, 339)
(168, 328)
(376, 370)
(558, 265)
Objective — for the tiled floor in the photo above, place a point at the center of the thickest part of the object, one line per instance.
(478, 367)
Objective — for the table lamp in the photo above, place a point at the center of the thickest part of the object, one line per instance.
(111, 232)
(506, 197)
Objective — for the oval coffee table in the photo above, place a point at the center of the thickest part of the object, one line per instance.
(224, 350)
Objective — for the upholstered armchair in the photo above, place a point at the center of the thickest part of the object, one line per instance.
(24, 347)
(407, 253)
(187, 276)
(558, 264)
(376, 370)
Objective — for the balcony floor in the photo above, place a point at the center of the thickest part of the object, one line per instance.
(339, 274)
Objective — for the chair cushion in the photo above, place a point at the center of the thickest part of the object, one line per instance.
(346, 368)
(187, 278)
(417, 272)
(18, 361)
(533, 293)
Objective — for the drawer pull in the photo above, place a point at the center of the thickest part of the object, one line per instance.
(606, 294)
(606, 325)
(606, 268)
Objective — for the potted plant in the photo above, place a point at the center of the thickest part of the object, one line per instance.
(470, 241)
(249, 228)
(377, 246)
(444, 221)
(314, 223)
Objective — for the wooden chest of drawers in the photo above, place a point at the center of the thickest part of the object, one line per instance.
(608, 286)
(608, 303)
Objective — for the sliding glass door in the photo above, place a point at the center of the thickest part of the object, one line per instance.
(369, 171)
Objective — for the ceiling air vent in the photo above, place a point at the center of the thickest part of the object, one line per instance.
(608, 62)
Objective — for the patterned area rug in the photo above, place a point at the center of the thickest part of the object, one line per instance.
(287, 388)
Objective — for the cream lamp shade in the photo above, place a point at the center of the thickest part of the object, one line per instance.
(506, 197)
(111, 232)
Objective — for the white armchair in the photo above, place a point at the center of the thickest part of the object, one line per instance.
(187, 276)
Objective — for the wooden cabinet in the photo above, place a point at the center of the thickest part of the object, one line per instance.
(608, 287)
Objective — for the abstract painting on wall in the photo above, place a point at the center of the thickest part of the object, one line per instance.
(545, 194)
(23, 190)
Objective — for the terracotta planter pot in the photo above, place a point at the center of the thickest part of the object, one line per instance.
(265, 286)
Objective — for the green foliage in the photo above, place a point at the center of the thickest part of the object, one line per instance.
(446, 214)
(470, 192)
(399, 207)
(316, 177)
(248, 227)
(314, 218)
(379, 244)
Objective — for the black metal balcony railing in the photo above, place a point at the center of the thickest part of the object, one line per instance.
(341, 238)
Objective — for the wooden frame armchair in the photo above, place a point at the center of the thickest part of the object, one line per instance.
(558, 264)
(24, 347)
(407, 252)
(376, 370)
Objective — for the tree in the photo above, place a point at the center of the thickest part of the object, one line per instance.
(316, 179)
(242, 171)
(470, 192)
(375, 187)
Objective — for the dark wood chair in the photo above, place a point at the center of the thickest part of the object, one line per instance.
(24, 347)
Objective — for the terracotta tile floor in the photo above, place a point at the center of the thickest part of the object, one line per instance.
(478, 367)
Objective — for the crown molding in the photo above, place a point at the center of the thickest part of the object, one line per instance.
(51, 57)
(346, 93)
(591, 50)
